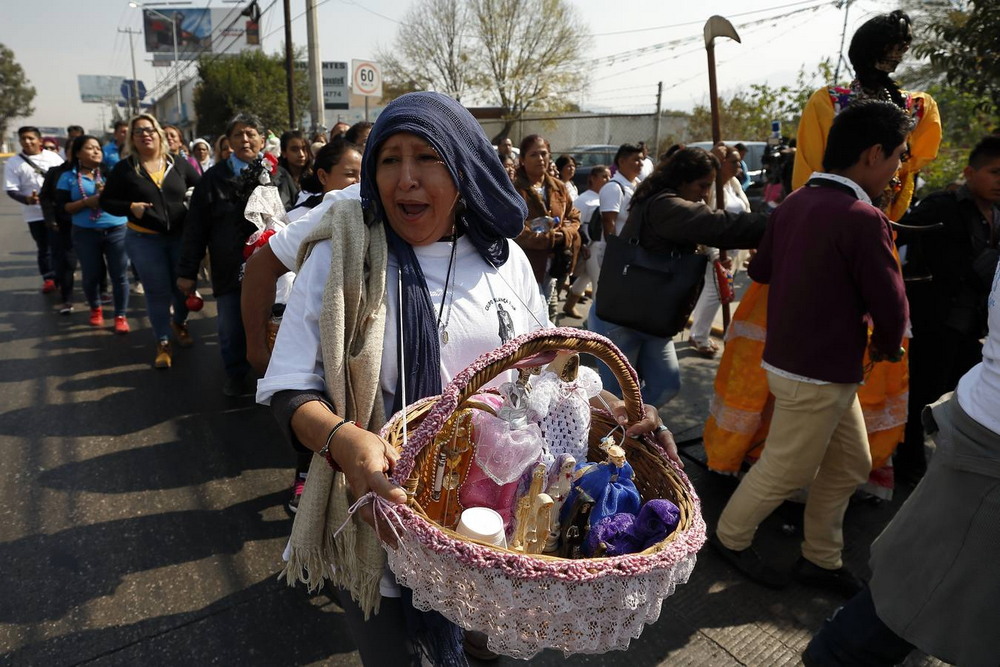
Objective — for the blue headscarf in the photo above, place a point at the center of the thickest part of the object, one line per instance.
(490, 211)
(493, 210)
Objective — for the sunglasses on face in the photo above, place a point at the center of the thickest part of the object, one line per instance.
(50, 147)
(142, 131)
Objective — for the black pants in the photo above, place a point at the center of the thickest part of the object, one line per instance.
(855, 635)
(939, 357)
(40, 233)
(64, 261)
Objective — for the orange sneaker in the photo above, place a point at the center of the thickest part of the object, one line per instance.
(48, 286)
(96, 317)
(121, 325)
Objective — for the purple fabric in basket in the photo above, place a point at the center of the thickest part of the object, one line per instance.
(625, 534)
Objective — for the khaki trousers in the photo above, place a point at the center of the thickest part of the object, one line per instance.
(817, 439)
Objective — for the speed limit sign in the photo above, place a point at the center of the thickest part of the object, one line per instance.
(367, 78)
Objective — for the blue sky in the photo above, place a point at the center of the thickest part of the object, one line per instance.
(632, 45)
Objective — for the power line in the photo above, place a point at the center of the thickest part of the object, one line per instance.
(682, 25)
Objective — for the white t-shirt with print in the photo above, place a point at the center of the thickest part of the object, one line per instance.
(617, 199)
(22, 178)
(285, 244)
(484, 307)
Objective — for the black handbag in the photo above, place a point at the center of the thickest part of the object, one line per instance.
(651, 292)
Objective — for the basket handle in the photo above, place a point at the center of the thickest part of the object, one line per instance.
(533, 345)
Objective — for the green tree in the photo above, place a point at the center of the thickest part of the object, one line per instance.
(961, 40)
(16, 95)
(248, 82)
(440, 58)
(529, 56)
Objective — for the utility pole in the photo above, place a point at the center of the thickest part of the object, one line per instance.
(659, 111)
(315, 66)
(289, 66)
(135, 79)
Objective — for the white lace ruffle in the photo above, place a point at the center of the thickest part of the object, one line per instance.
(525, 616)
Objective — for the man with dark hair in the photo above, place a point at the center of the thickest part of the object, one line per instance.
(828, 258)
(24, 175)
(950, 269)
(216, 223)
(114, 148)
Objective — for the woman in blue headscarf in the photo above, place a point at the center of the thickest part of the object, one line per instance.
(395, 295)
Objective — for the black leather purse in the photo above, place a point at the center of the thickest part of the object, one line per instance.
(651, 292)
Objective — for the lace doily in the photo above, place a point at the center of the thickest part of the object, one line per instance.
(562, 410)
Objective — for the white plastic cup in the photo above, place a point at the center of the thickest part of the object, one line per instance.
(484, 525)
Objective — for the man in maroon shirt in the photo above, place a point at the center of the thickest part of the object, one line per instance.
(828, 258)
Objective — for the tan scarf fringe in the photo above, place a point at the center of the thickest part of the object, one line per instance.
(352, 328)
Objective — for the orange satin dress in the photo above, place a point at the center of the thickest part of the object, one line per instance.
(740, 412)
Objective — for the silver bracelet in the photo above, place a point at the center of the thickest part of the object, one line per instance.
(660, 429)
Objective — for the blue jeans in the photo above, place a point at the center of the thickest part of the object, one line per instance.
(43, 242)
(94, 247)
(155, 257)
(653, 358)
(232, 337)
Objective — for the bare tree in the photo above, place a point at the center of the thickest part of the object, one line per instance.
(529, 54)
(432, 50)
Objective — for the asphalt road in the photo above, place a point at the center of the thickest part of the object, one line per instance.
(142, 519)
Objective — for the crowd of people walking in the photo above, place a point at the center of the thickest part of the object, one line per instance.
(415, 238)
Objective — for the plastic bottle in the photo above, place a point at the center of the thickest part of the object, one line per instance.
(543, 224)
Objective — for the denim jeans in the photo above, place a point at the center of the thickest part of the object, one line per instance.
(653, 358)
(40, 233)
(232, 337)
(155, 257)
(94, 247)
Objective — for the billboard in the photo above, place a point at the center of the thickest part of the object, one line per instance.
(98, 88)
(335, 92)
(198, 31)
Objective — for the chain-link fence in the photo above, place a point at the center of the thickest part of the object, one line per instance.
(571, 130)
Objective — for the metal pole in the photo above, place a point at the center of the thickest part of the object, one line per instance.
(843, 35)
(135, 80)
(289, 66)
(659, 110)
(315, 66)
(366, 108)
(177, 71)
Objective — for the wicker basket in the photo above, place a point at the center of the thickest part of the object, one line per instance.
(526, 603)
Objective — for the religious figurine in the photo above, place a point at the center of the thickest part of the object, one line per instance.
(576, 526)
(610, 485)
(560, 484)
(560, 402)
(539, 522)
(524, 520)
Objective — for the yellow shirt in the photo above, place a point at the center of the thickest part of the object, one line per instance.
(814, 126)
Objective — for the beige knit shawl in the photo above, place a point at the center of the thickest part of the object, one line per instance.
(352, 331)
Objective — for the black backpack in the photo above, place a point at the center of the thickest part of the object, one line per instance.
(595, 228)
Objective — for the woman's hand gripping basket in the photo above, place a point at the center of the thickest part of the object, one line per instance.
(526, 603)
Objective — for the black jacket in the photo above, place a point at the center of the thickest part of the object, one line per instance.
(960, 258)
(52, 214)
(216, 223)
(129, 182)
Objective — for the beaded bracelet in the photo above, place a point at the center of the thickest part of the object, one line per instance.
(325, 452)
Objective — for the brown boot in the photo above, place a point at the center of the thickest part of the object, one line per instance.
(570, 306)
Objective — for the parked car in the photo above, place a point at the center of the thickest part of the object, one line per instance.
(587, 156)
(755, 166)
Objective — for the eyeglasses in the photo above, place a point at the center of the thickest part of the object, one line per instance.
(50, 147)
(143, 131)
